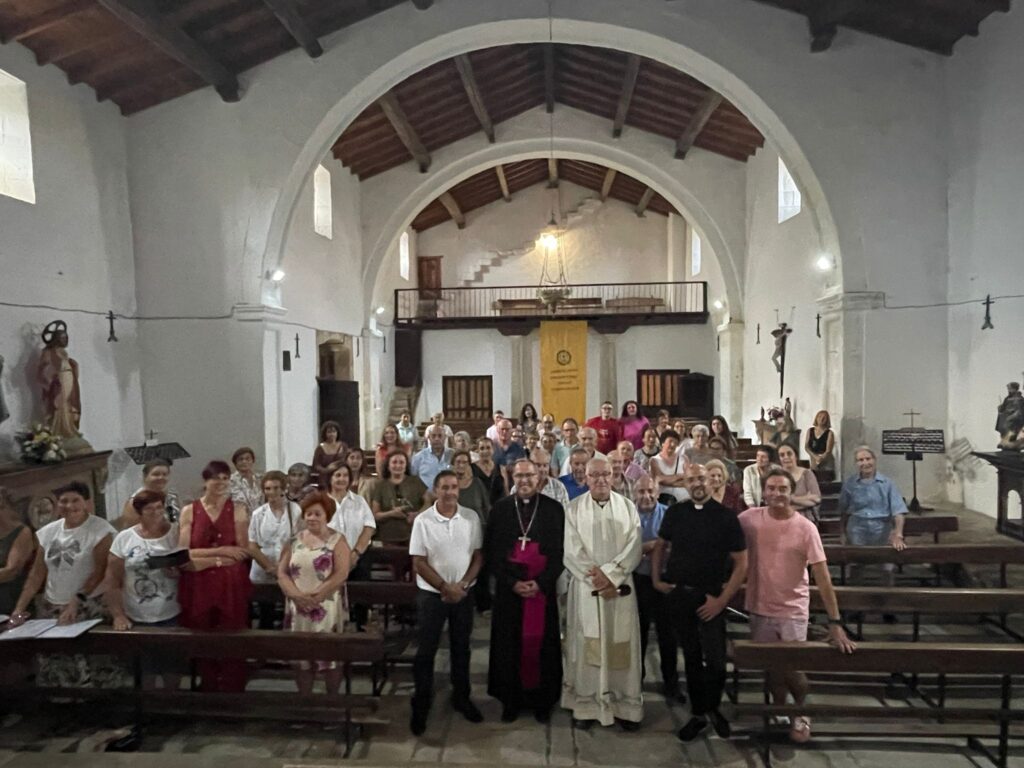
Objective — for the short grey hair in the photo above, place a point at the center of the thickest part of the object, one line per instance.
(700, 428)
(866, 449)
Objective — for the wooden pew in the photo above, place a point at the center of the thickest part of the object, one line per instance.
(928, 554)
(998, 661)
(913, 525)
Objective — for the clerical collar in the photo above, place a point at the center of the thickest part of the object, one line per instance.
(697, 506)
(603, 504)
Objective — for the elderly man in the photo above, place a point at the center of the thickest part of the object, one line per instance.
(706, 539)
(449, 436)
(550, 486)
(782, 544)
(434, 456)
(620, 483)
(523, 549)
(602, 549)
(570, 440)
(588, 442)
(505, 449)
(492, 431)
(652, 604)
(575, 481)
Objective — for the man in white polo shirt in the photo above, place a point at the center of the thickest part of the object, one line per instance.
(445, 548)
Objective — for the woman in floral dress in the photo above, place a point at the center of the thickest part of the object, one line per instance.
(311, 572)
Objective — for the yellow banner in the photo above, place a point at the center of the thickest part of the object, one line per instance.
(563, 369)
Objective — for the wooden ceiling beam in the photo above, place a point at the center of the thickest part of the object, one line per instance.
(396, 116)
(476, 99)
(288, 14)
(552, 172)
(549, 77)
(452, 206)
(712, 100)
(503, 182)
(606, 185)
(645, 200)
(43, 21)
(144, 18)
(628, 85)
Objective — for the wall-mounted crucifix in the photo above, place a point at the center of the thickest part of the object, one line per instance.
(781, 334)
(988, 313)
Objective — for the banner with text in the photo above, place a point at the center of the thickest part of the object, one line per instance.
(563, 369)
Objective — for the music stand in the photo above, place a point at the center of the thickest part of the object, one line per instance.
(913, 443)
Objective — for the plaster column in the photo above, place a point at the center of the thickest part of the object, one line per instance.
(676, 252)
(609, 385)
(522, 376)
(730, 372)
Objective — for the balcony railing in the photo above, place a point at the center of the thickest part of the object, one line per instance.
(657, 302)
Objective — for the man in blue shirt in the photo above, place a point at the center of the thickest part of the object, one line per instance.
(652, 604)
(433, 458)
(576, 481)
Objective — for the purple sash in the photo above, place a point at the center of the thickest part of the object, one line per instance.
(534, 609)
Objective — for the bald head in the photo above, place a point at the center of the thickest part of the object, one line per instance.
(696, 482)
(645, 493)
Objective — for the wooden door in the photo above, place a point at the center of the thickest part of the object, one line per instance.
(467, 398)
(339, 401)
(680, 392)
(408, 357)
(428, 276)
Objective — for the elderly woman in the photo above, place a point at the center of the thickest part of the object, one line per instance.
(872, 505)
(633, 424)
(463, 442)
(396, 500)
(214, 590)
(764, 457)
(16, 548)
(156, 476)
(724, 492)
(271, 527)
(311, 571)
(720, 429)
(299, 483)
(806, 496)
(698, 452)
(718, 450)
(246, 482)
(329, 450)
(648, 450)
(820, 444)
(668, 470)
(389, 441)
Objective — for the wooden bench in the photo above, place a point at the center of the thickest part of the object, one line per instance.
(516, 307)
(913, 525)
(1002, 555)
(147, 643)
(636, 304)
(998, 661)
(577, 305)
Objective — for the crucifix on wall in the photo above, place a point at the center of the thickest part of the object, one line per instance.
(779, 355)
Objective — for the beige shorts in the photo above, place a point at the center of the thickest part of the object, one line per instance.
(770, 629)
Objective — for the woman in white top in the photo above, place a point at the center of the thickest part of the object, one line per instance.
(668, 470)
(271, 527)
(752, 475)
(353, 520)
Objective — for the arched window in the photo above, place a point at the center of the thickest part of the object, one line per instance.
(323, 211)
(403, 256)
(695, 266)
(789, 195)
(15, 141)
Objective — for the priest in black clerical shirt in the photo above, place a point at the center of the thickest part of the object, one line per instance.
(523, 550)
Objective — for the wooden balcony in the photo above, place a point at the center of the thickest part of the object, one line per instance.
(518, 309)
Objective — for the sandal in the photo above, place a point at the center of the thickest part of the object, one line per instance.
(801, 730)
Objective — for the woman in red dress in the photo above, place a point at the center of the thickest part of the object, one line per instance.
(214, 589)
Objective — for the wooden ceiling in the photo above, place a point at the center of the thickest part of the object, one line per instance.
(138, 53)
(503, 181)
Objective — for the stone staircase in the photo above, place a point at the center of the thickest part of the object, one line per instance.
(473, 276)
(403, 399)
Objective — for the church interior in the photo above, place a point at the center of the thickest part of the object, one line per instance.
(224, 223)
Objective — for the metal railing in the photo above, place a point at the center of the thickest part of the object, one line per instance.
(414, 305)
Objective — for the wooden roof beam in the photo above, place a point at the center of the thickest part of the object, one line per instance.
(606, 186)
(645, 200)
(476, 99)
(452, 206)
(552, 172)
(549, 77)
(503, 182)
(144, 18)
(396, 116)
(45, 20)
(711, 101)
(628, 85)
(288, 14)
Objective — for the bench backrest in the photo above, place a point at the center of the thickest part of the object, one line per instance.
(977, 554)
(912, 525)
(955, 601)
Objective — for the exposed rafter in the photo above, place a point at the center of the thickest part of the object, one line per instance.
(824, 18)
(288, 14)
(628, 85)
(42, 22)
(144, 17)
(606, 185)
(645, 200)
(396, 116)
(552, 172)
(476, 99)
(711, 101)
(506, 195)
(452, 206)
(549, 77)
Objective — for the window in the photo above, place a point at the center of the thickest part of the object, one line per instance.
(694, 253)
(323, 212)
(403, 255)
(789, 195)
(15, 142)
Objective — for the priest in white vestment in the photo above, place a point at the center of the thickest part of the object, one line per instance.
(602, 645)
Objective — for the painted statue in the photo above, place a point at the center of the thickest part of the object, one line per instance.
(1010, 419)
(57, 375)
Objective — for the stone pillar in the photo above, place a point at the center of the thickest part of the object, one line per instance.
(609, 385)
(522, 376)
(675, 256)
(730, 372)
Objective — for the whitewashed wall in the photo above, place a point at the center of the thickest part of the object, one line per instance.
(986, 232)
(71, 249)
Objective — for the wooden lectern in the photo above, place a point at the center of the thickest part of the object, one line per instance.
(1010, 471)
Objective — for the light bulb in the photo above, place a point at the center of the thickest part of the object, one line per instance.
(549, 241)
(718, 304)
(380, 310)
(277, 275)
(824, 263)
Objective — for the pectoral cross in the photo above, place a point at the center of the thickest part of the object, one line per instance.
(522, 542)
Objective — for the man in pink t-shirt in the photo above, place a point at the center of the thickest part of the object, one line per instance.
(781, 543)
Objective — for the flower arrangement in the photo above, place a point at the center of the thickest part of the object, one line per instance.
(41, 446)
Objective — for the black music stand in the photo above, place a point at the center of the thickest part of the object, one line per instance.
(913, 443)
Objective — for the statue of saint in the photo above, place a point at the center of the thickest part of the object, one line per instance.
(782, 430)
(1010, 419)
(57, 375)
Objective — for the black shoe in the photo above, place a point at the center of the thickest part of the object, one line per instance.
(542, 714)
(628, 725)
(720, 724)
(418, 721)
(692, 729)
(509, 713)
(468, 710)
(582, 725)
(673, 694)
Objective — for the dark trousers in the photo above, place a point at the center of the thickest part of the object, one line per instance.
(703, 644)
(269, 614)
(654, 607)
(431, 615)
(360, 612)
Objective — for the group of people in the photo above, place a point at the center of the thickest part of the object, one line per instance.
(558, 537)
